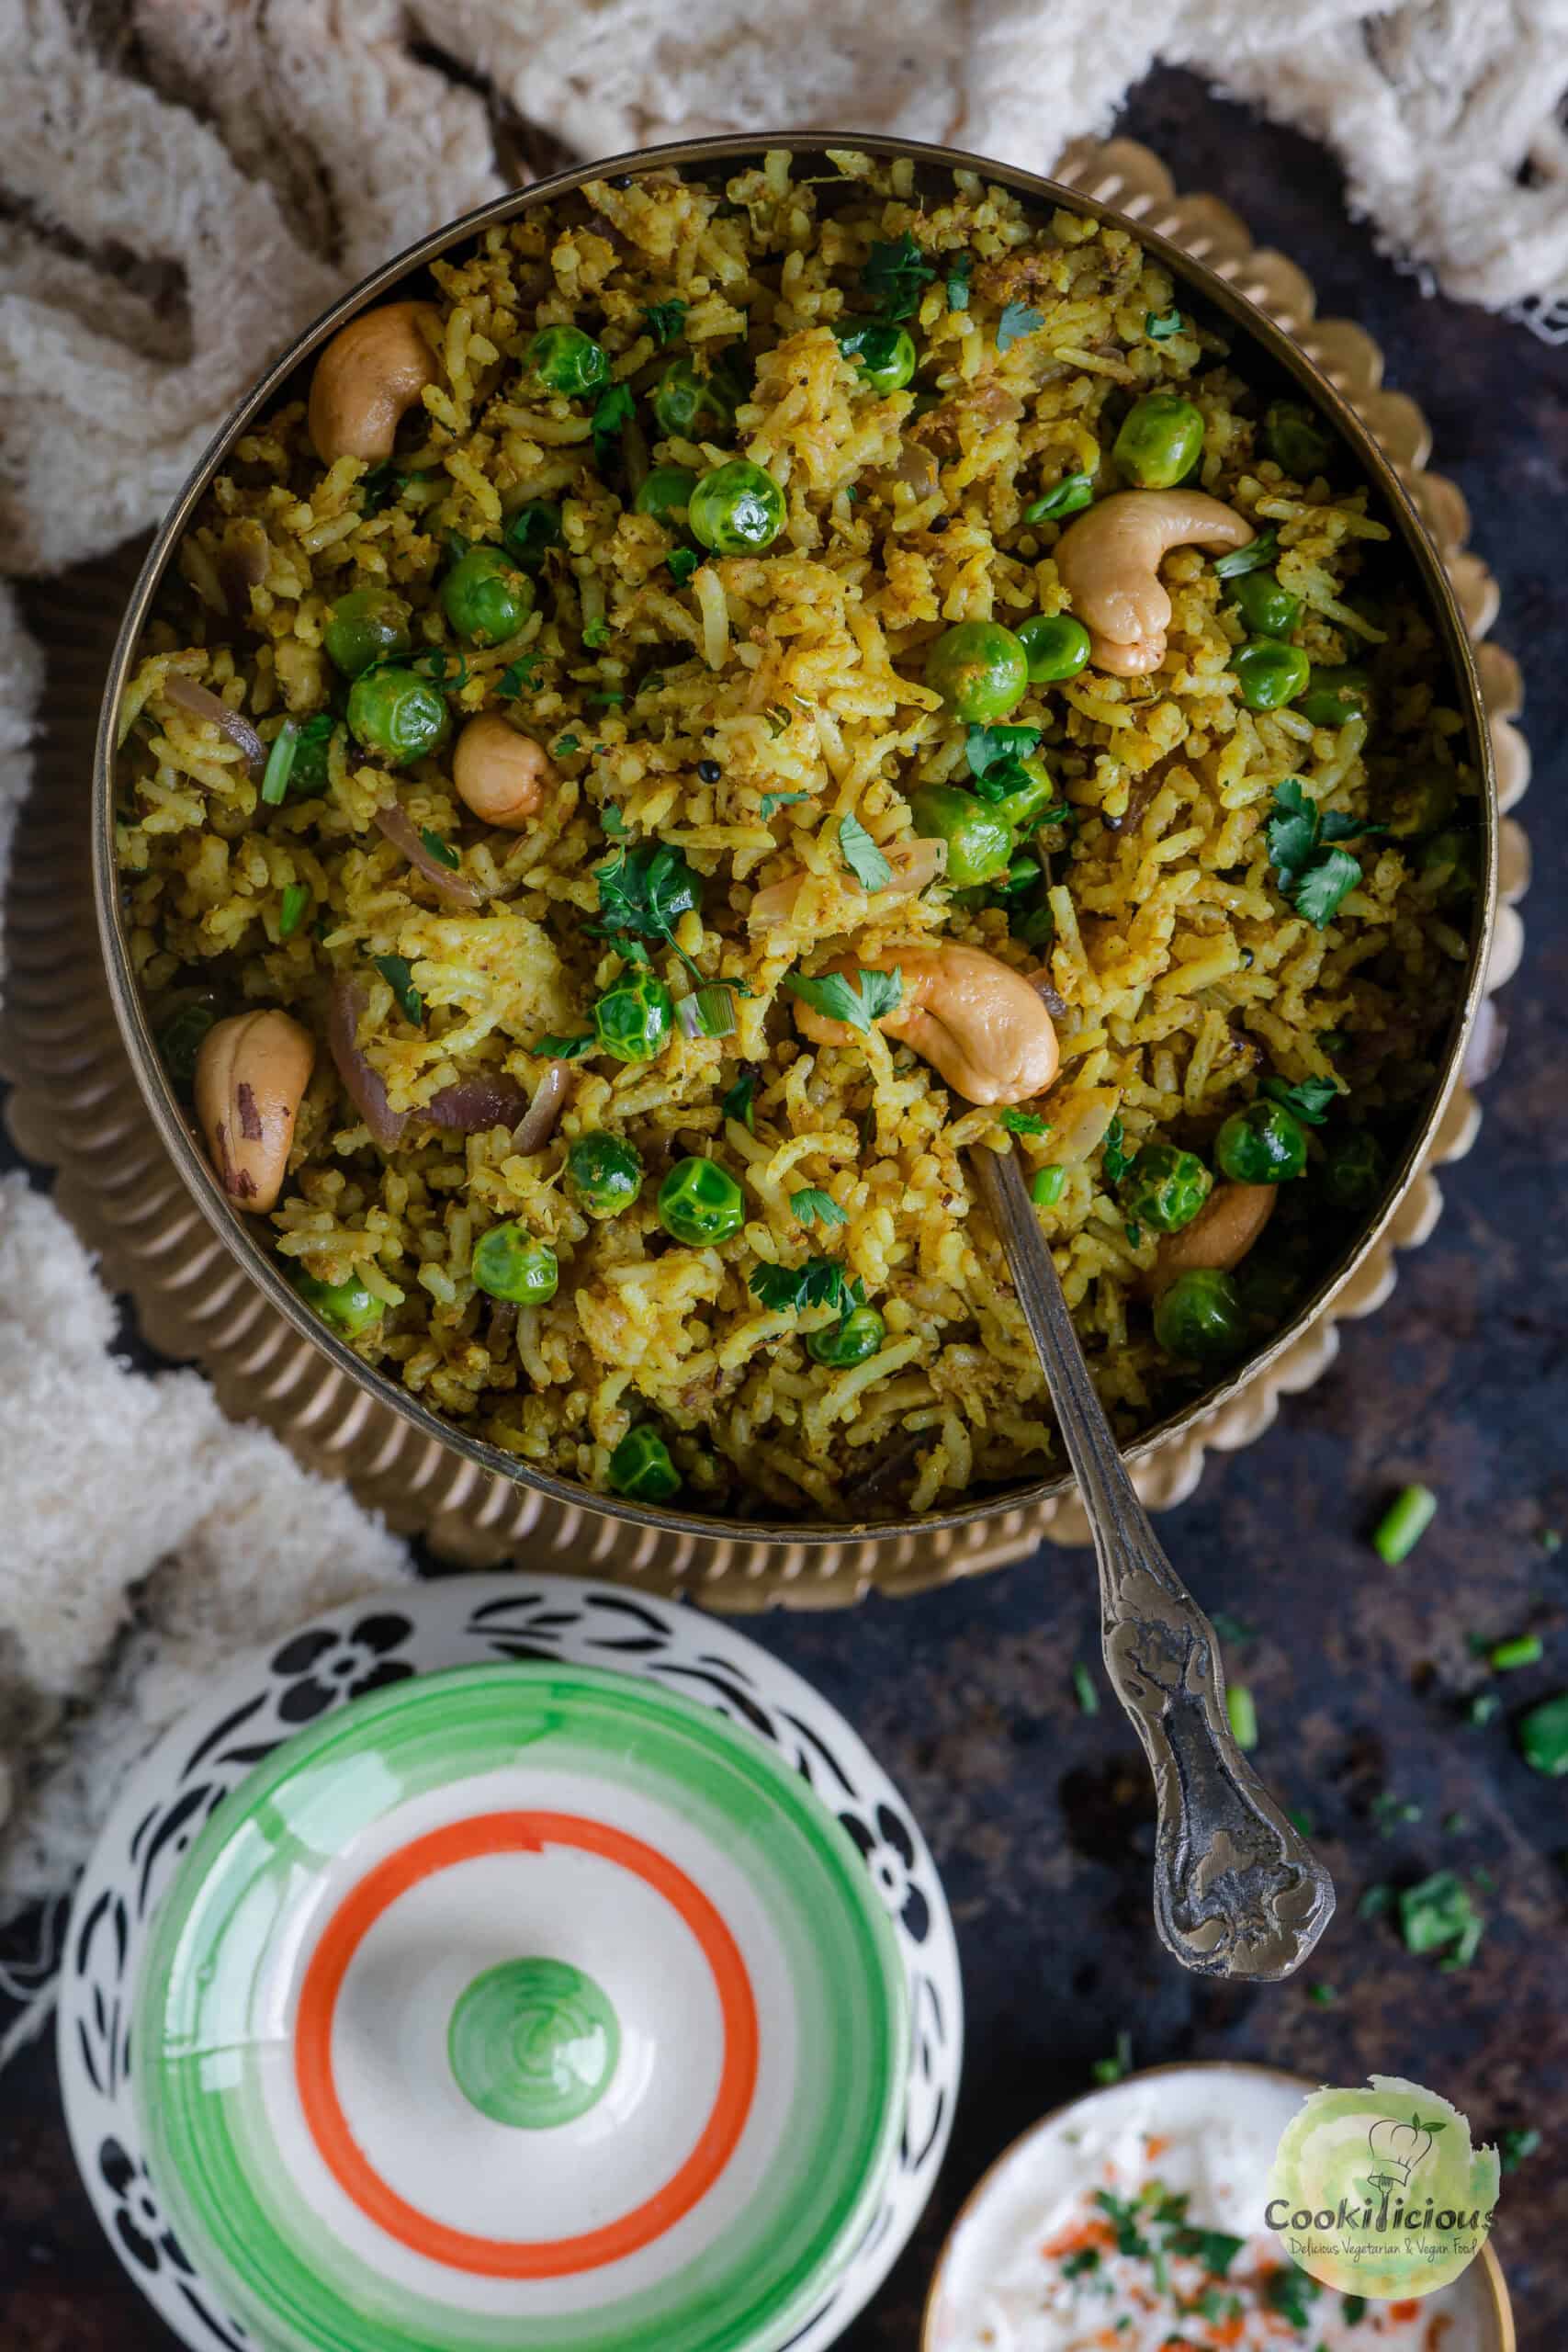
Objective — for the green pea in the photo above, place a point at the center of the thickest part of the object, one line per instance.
(567, 360)
(535, 526)
(739, 509)
(634, 1019)
(1264, 1144)
(884, 354)
(1336, 694)
(699, 1202)
(179, 1040)
(979, 668)
(857, 1335)
(979, 843)
(641, 1467)
(1449, 856)
(1055, 645)
(667, 492)
(1164, 1188)
(1268, 609)
(1425, 804)
(509, 1263)
(397, 714)
(1271, 673)
(1160, 440)
(485, 597)
(604, 1175)
(365, 626)
(693, 407)
(1354, 1170)
(1200, 1314)
(1295, 440)
(348, 1306)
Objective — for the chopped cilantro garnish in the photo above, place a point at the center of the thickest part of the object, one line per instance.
(1087, 2258)
(665, 321)
(1289, 2291)
(1160, 325)
(837, 997)
(534, 527)
(959, 270)
(517, 677)
(613, 823)
(614, 407)
(442, 852)
(1124, 2219)
(1315, 875)
(792, 1290)
(773, 800)
(308, 773)
(1024, 1123)
(398, 974)
(1309, 1101)
(564, 747)
(565, 1049)
(682, 563)
(737, 1103)
(812, 1207)
(893, 274)
(1016, 321)
(1325, 886)
(862, 856)
(381, 486)
(1116, 1159)
(995, 757)
(596, 632)
(1215, 2249)
(643, 892)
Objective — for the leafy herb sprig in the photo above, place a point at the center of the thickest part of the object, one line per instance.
(793, 1289)
(893, 274)
(1315, 875)
(643, 892)
(861, 1000)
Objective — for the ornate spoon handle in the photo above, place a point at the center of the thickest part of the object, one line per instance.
(1237, 1891)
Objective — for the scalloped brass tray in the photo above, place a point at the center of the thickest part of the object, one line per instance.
(77, 1106)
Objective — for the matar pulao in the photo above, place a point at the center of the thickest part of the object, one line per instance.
(736, 693)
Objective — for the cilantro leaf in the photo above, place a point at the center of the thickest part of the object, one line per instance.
(1016, 321)
(958, 273)
(811, 1206)
(872, 343)
(682, 563)
(643, 892)
(596, 632)
(1160, 325)
(1332, 827)
(534, 527)
(862, 856)
(665, 321)
(836, 998)
(398, 974)
(774, 801)
(996, 756)
(1025, 1123)
(565, 1049)
(737, 1103)
(614, 407)
(442, 852)
(1117, 1159)
(1324, 888)
(564, 746)
(381, 486)
(517, 677)
(1215, 2249)
(786, 1290)
(1292, 831)
(1310, 1100)
(613, 823)
(893, 274)
(308, 773)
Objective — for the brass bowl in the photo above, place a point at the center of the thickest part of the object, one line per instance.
(287, 376)
(1496, 2311)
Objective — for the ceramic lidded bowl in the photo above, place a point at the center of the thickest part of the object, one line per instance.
(521, 2003)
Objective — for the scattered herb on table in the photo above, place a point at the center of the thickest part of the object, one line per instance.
(1229, 1628)
(1513, 2145)
(1438, 1916)
(1392, 1813)
(1522, 1649)
(1376, 1899)
(1323, 1996)
(1484, 1708)
(1543, 1738)
(1115, 2068)
(1403, 1524)
(1084, 1691)
(1242, 1710)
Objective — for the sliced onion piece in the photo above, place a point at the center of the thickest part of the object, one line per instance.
(395, 823)
(916, 863)
(241, 565)
(202, 702)
(363, 1085)
(544, 1112)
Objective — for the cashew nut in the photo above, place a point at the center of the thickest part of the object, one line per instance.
(503, 776)
(975, 1019)
(1109, 559)
(251, 1076)
(371, 371)
(1219, 1237)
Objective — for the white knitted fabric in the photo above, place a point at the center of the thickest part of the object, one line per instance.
(183, 184)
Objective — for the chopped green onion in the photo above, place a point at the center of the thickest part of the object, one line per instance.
(708, 1013)
(291, 912)
(398, 974)
(279, 764)
(1047, 1185)
(1069, 497)
(1242, 1709)
(1525, 1649)
(1084, 1691)
(1544, 1736)
(1403, 1524)
(1257, 551)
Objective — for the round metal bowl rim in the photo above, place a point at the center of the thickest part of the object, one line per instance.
(125, 995)
(1496, 2285)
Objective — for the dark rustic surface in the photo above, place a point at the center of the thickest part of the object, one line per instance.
(1038, 1814)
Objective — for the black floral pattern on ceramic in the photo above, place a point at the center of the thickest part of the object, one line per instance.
(324, 1667)
(889, 1851)
(139, 2221)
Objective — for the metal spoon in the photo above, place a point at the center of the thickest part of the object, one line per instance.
(1237, 1891)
